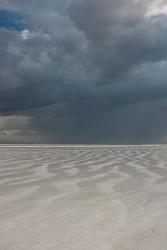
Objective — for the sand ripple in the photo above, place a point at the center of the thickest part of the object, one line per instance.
(83, 198)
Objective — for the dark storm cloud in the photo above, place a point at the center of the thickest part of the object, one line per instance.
(93, 61)
(121, 36)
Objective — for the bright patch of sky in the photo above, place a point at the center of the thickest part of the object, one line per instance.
(24, 34)
(157, 8)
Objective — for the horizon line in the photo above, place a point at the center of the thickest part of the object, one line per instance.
(73, 145)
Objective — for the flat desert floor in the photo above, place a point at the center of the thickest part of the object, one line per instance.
(83, 198)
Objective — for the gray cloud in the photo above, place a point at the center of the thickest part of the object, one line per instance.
(95, 62)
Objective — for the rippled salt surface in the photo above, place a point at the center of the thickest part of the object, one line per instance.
(83, 198)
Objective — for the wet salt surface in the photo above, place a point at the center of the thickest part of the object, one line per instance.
(83, 198)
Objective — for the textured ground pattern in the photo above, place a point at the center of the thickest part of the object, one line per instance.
(83, 198)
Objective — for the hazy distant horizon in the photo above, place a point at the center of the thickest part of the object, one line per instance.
(74, 145)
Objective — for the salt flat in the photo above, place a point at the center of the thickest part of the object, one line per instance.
(83, 198)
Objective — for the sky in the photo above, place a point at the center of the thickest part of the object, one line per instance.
(83, 71)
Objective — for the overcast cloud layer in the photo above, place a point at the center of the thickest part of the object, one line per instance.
(83, 71)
